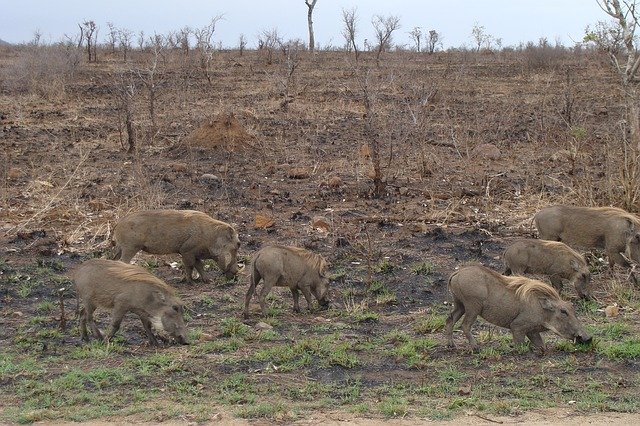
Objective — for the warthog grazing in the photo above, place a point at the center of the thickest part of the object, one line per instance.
(589, 227)
(552, 258)
(195, 235)
(127, 288)
(527, 307)
(286, 266)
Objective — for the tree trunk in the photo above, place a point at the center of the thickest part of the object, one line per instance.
(312, 41)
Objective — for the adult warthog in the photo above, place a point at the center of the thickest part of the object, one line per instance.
(527, 307)
(193, 234)
(287, 266)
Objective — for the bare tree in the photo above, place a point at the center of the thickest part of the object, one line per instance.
(126, 90)
(149, 76)
(384, 26)
(268, 42)
(310, 5)
(480, 36)
(626, 17)
(370, 130)
(349, 31)
(125, 37)
(89, 32)
(242, 43)
(416, 36)
(205, 45)
(433, 41)
(141, 40)
(112, 37)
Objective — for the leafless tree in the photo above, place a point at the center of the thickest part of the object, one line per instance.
(384, 26)
(480, 36)
(626, 16)
(125, 37)
(416, 36)
(310, 5)
(125, 91)
(205, 45)
(368, 97)
(89, 32)
(149, 75)
(433, 41)
(349, 31)
(112, 37)
(242, 43)
(141, 40)
(269, 42)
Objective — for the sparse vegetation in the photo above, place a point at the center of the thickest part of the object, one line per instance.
(436, 202)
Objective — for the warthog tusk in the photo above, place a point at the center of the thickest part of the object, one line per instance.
(241, 269)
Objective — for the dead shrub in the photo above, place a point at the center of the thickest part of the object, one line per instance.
(43, 70)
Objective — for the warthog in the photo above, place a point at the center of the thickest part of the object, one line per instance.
(589, 227)
(552, 258)
(286, 266)
(527, 307)
(195, 235)
(123, 288)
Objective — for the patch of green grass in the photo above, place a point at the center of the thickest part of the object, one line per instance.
(386, 267)
(366, 316)
(233, 327)
(96, 349)
(432, 323)
(423, 268)
(45, 307)
(265, 410)
(614, 330)
(627, 349)
(208, 302)
(220, 345)
(415, 351)
(450, 374)
(393, 406)
(237, 389)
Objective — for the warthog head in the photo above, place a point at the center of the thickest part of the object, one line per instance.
(321, 289)
(170, 322)
(581, 278)
(225, 254)
(560, 317)
(633, 247)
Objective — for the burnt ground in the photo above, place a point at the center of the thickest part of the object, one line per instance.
(234, 149)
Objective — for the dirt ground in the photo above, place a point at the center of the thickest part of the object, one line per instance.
(470, 147)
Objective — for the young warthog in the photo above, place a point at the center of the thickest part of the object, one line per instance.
(552, 258)
(527, 307)
(195, 235)
(589, 227)
(286, 266)
(127, 288)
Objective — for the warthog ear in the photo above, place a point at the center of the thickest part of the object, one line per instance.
(546, 304)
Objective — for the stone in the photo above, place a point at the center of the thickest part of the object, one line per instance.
(263, 222)
(321, 223)
(486, 150)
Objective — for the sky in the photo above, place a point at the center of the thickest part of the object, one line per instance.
(512, 21)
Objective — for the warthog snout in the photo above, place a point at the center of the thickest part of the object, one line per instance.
(584, 338)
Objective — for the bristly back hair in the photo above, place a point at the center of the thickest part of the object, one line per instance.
(314, 260)
(131, 273)
(526, 288)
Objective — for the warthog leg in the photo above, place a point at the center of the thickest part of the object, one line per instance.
(453, 318)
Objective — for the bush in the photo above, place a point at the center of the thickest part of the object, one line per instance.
(43, 70)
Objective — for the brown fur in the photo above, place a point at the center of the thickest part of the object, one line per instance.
(123, 288)
(288, 266)
(193, 234)
(554, 259)
(589, 227)
(314, 260)
(527, 307)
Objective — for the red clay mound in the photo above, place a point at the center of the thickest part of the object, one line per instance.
(223, 131)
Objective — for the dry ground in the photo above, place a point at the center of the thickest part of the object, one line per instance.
(259, 146)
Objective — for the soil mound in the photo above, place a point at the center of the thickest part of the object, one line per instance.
(223, 131)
